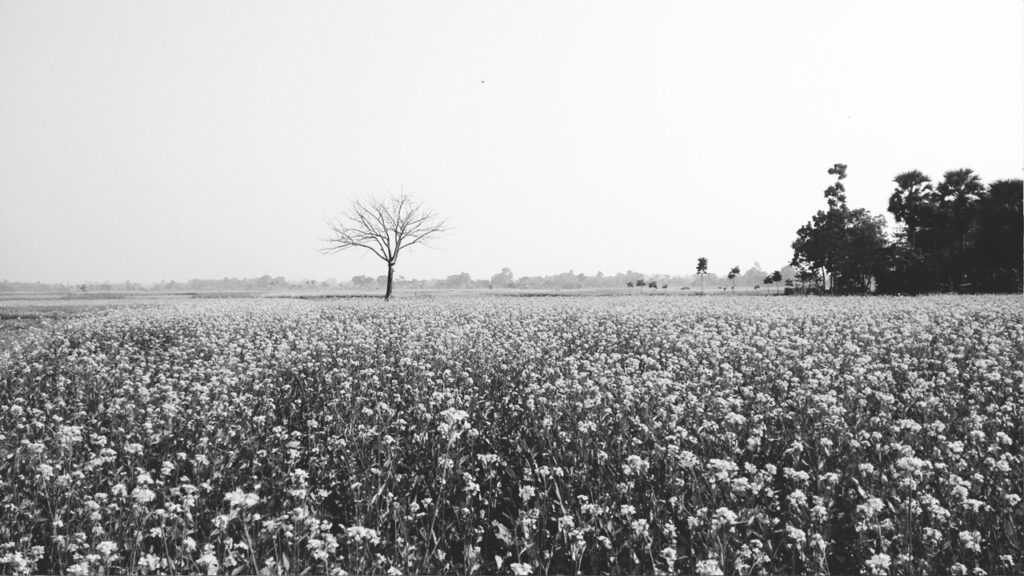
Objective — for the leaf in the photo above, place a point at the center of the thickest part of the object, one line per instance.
(498, 561)
(379, 492)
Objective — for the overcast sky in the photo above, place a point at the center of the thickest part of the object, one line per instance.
(184, 139)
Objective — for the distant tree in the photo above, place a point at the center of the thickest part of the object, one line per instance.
(768, 280)
(733, 273)
(664, 286)
(652, 284)
(456, 281)
(363, 282)
(385, 228)
(629, 284)
(503, 279)
(752, 276)
(702, 271)
(776, 279)
(640, 283)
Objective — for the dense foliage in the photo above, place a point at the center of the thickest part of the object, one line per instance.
(957, 236)
(618, 435)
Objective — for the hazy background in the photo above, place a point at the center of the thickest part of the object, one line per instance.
(172, 140)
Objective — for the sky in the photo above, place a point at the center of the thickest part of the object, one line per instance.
(149, 141)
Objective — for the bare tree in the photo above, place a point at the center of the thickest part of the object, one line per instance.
(385, 228)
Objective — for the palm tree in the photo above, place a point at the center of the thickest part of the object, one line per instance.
(957, 195)
(905, 202)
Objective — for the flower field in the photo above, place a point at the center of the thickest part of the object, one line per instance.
(484, 435)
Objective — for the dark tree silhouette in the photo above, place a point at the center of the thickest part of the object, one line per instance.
(385, 228)
(846, 246)
(702, 271)
(996, 238)
(905, 203)
(733, 273)
(956, 197)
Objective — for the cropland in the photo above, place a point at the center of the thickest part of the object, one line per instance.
(500, 435)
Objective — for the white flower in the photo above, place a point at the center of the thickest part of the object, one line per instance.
(668, 553)
(239, 499)
(362, 534)
(971, 540)
(635, 465)
(872, 507)
(724, 518)
(566, 523)
(526, 492)
(453, 416)
(722, 469)
(107, 547)
(143, 495)
(797, 499)
(520, 569)
(150, 562)
(709, 567)
(879, 563)
(209, 560)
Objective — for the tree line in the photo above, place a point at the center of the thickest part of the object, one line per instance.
(957, 235)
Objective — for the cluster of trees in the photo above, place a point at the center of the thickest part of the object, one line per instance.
(505, 279)
(959, 235)
(261, 283)
(956, 236)
(754, 274)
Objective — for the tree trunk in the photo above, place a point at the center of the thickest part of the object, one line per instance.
(963, 264)
(391, 274)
